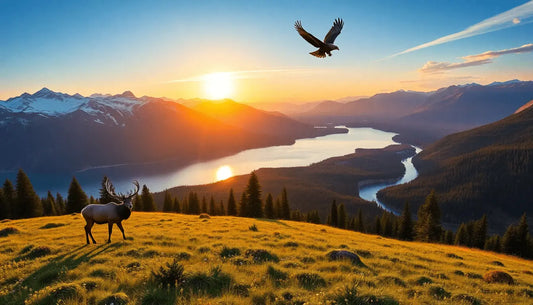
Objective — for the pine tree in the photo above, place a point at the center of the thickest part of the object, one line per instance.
(212, 208)
(10, 197)
(105, 197)
(428, 226)
(176, 205)
(52, 201)
(147, 199)
(253, 197)
(278, 212)
(269, 207)
(92, 200)
(377, 225)
(28, 203)
(243, 207)
(194, 204)
(386, 224)
(167, 202)
(76, 199)
(405, 228)
(232, 206)
(523, 236)
(221, 209)
(493, 243)
(49, 205)
(313, 217)
(138, 203)
(461, 237)
(449, 239)
(480, 233)
(60, 205)
(511, 241)
(359, 223)
(3, 205)
(204, 205)
(285, 206)
(342, 216)
(334, 217)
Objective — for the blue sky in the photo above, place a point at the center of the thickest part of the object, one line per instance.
(112, 46)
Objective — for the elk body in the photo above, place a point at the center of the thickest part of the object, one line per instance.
(109, 213)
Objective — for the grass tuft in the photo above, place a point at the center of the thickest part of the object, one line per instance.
(119, 298)
(278, 277)
(423, 280)
(169, 276)
(51, 225)
(253, 228)
(466, 299)
(229, 252)
(348, 296)
(260, 256)
(310, 281)
(8, 231)
(439, 293)
(213, 284)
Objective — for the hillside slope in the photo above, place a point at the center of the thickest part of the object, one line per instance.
(486, 170)
(47, 260)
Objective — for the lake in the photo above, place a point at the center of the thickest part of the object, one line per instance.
(302, 153)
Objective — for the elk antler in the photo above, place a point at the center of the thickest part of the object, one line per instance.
(135, 191)
(111, 189)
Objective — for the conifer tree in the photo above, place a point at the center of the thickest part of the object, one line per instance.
(278, 211)
(342, 216)
(212, 208)
(377, 225)
(147, 199)
(351, 223)
(480, 233)
(334, 217)
(194, 203)
(105, 197)
(313, 217)
(523, 236)
(493, 243)
(405, 228)
(449, 239)
(511, 241)
(359, 223)
(49, 205)
(138, 203)
(60, 205)
(243, 207)
(386, 224)
(168, 203)
(285, 206)
(10, 199)
(253, 197)
(204, 205)
(461, 237)
(269, 207)
(221, 210)
(428, 225)
(3, 205)
(53, 204)
(28, 203)
(232, 206)
(176, 205)
(76, 199)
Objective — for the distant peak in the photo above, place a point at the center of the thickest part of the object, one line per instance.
(513, 81)
(128, 94)
(43, 91)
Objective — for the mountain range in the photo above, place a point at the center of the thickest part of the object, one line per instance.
(424, 117)
(485, 170)
(54, 132)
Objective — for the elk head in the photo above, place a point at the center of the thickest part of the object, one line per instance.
(126, 199)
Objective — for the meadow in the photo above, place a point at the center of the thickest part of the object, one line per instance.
(185, 259)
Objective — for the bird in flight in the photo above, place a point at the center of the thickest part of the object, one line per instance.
(327, 45)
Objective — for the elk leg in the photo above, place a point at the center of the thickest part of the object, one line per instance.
(119, 225)
(88, 232)
(110, 228)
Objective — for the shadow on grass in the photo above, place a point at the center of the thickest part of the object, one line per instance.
(52, 271)
(277, 221)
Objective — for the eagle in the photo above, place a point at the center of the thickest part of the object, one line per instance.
(327, 45)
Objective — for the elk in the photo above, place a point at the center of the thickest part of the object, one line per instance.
(109, 213)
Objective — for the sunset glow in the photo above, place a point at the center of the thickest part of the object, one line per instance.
(218, 85)
(223, 173)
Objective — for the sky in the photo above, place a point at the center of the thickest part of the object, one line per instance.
(165, 48)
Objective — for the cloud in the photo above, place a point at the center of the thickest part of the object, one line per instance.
(521, 14)
(473, 60)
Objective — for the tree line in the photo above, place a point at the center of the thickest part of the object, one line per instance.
(428, 228)
(21, 201)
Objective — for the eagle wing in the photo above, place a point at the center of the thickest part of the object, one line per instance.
(334, 31)
(310, 38)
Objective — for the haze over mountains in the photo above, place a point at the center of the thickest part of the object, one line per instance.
(51, 131)
(423, 117)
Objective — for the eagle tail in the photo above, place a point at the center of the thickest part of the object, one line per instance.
(318, 53)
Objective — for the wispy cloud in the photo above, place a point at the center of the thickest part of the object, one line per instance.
(519, 15)
(473, 60)
(245, 74)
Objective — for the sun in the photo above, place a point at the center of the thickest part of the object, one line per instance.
(218, 85)
(223, 173)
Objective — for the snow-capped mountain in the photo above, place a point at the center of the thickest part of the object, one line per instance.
(101, 108)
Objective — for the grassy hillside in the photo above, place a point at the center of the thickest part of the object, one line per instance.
(486, 170)
(46, 259)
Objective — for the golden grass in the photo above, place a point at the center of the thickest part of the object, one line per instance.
(409, 272)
